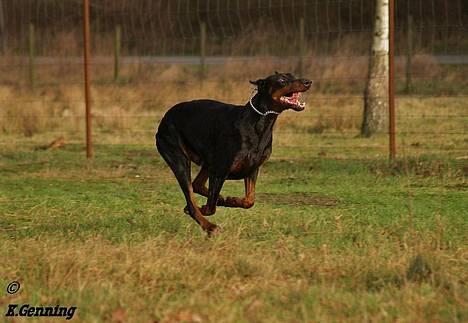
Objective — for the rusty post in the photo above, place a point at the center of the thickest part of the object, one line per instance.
(301, 46)
(89, 143)
(202, 50)
(391, 80)
(3, 35)
(409, 55)
(32, 56)
(117, 47)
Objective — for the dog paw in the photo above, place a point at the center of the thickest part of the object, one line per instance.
(221, 201)
(206, 211)
(212, 230)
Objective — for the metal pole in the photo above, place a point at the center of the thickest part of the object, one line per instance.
(32, 53)
(89, 144)
(117, 46)
(391, 80)
(202, 49)
(409, 55)
(2, 30)
(301, 46)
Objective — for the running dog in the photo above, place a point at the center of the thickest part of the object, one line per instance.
(229, 142)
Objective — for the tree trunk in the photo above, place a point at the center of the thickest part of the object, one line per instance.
(375, 117)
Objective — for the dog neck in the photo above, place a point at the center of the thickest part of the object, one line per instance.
(259, 103)
(256, 111)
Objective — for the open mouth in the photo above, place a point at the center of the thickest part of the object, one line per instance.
(292, 99)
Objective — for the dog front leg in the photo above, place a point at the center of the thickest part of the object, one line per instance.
(215, 185)
(248, 201)
(199, 184)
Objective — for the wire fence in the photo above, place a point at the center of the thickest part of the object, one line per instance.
(151, 54)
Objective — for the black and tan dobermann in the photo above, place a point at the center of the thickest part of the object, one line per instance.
(228, 142)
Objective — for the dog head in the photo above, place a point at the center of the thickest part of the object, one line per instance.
(283, 91)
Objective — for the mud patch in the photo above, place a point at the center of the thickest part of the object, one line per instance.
(297, 198)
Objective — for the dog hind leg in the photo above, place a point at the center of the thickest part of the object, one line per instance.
(199, 184)
(199, 187)
(180, 166)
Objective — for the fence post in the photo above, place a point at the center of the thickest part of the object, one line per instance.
(409, 56)
(202, 49)
(117, 46)
(391, 80)
(31, 48)
(301, 46)
(2, 30)
(86, 57)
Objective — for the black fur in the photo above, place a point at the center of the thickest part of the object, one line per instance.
(228, 141)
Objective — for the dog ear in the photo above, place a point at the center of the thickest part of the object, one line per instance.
(276, 72)
(259, 83)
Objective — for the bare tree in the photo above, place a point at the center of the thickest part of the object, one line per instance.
(376, 95)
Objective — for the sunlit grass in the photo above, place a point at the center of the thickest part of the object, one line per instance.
(337, 233)
(328, 240)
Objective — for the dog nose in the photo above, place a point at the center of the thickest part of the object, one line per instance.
(306, 82)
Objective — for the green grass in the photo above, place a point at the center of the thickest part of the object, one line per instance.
(329, 239)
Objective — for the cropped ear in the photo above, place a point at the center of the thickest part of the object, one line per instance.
(259, 83)
(276, 72)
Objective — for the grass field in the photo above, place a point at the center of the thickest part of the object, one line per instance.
(330, 238)
(337, 234)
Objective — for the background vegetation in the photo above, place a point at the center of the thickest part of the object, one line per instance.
(234, 27)
(338, 233)
(334, 236)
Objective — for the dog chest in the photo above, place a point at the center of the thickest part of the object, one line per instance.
(244, 164)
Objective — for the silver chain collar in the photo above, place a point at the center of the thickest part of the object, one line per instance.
(256, 110)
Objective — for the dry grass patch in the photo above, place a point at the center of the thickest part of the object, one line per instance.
(231, 280)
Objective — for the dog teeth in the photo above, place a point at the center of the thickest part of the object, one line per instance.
(293, 100)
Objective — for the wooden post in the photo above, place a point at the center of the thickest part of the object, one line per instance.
(301, 47)
(31, 47)
(391, 80)
(117, 47)
(409, 55)
(86, 56)
(202, 49)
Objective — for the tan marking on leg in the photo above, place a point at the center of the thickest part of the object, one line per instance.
(248, 201)
(204, 223)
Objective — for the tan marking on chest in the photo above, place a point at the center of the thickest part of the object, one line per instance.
(239, 166)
